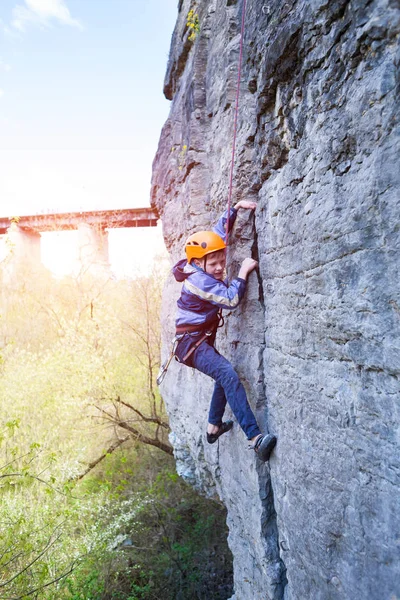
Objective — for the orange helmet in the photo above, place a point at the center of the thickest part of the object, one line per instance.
(201, 243)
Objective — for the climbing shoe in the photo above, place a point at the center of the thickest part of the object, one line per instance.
(264, 446)
(224, 427)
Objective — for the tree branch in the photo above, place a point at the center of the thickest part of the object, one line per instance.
(136, 433)
(156, 420)
(45, 585)
(98, 460)
(33, 477)
(49, 544)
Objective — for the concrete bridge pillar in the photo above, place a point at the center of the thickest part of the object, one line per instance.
(23, 253)
(93, 247)
(24, 245)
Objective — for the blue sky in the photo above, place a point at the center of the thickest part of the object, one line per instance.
(81, 107)
(81, 103)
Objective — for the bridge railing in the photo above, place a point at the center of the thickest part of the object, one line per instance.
(103, 219)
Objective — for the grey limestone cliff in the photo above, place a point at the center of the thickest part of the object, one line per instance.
(316, 341)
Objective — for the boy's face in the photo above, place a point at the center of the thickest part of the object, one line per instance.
(214, 265)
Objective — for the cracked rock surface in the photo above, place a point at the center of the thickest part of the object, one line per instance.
(316, 340)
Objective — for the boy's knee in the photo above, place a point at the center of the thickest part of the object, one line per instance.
(229, 375)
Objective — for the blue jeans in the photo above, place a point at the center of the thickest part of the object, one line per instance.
(227, 388)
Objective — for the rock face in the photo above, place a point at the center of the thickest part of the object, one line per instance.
(316, 341)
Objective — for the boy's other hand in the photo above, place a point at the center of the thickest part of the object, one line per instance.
(246, 204)
(248, 265)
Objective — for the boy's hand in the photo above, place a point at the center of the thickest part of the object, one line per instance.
(248, 265)
(246, 204)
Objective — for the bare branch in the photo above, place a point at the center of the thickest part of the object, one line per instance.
(18, 458)
(135, 331)
(137, 435)
(98, 460)
(45, 585)
(37, 479)
(49, 544)
(156, 420)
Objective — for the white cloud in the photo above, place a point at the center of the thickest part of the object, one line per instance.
(6, 30)
(4, 66)
(41, 13)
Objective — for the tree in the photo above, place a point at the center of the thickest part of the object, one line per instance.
(31, 557)
(99, 340)
(85, 435)
(142, 328)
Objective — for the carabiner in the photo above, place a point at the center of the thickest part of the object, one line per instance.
(164, 367)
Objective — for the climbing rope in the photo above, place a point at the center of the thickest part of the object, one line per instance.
(236, 118)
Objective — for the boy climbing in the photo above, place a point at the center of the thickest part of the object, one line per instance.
(204, 294)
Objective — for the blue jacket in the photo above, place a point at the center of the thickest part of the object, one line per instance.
(202, 295)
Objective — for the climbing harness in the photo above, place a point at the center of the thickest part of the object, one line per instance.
(196, 345)
(217, 322)
(181, 331)
(210, 329)
(235, 120)
(164, 367)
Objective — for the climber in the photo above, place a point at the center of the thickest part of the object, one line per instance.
(204, 294)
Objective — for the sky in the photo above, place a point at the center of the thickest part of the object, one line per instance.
(81, 111)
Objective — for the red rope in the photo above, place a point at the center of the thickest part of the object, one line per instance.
(236, 119)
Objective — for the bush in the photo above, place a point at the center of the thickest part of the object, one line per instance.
(130, 529)
(171, 543)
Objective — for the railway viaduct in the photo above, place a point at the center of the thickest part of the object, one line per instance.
(24, 232)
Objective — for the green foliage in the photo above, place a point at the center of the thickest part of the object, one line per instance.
(193, 23)
(182, 157)
(184, 536)
(76, 354)
(172, 544)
